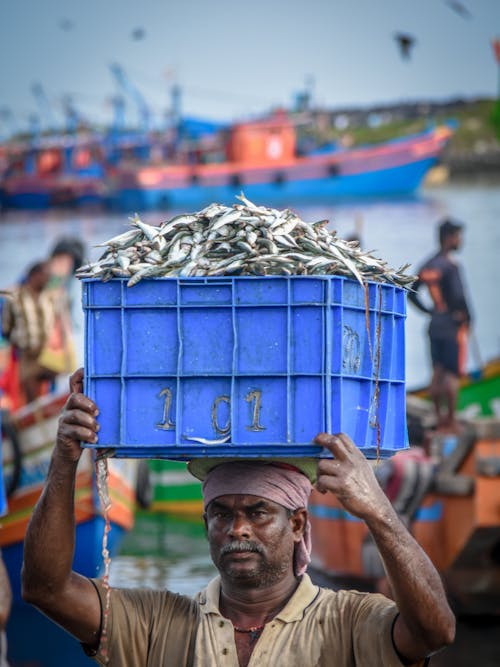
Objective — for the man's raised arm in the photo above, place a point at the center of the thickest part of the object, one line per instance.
(425, 623)
(48, 581)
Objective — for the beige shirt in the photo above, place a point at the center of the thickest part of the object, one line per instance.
(317, 628)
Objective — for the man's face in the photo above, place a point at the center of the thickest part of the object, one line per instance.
(61, 265)
(251, 539)
(40, 278)
(454, 241)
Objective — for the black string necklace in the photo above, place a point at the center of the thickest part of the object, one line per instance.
(254, 633)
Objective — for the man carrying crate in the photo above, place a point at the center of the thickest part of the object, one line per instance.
(263, 608)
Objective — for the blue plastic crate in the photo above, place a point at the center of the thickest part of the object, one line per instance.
(256, 366)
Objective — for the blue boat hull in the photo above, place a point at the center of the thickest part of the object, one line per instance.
(398, 180)
(35, 201)
(31, 634)
(38, 201)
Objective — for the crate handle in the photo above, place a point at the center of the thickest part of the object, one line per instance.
(209, 280)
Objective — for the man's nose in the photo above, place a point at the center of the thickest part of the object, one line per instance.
(239, 527)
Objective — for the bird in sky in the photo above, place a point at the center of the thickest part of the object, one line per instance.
(459, 8)
(138, 33)
(66, 24)
(405, 43)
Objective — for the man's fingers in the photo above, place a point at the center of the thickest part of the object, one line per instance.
(76, 382)
(330, 483)
(78, 425)
(339, 444)
(82, 418)
(76, 432)
(81, 402)
(328, 467)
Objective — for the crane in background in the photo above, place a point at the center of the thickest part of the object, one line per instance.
(44, 106)
(118, 104)
(8, 124)
(130, 90)
(74, 119)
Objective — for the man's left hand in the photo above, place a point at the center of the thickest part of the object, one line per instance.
(350, 477)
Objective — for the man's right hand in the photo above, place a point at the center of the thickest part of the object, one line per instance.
(77, 422)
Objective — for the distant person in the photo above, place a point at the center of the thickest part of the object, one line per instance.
(353, 238)
(357, 234)
(28, 317)
(38, 322)
(263, 608)
(67, 254)
(450, 320)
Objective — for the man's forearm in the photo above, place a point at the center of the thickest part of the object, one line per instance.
(50, 537)
(426, 623)
(416, 301)
(417, 587)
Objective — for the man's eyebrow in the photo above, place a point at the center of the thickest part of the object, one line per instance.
(260, 504)
(217, 505)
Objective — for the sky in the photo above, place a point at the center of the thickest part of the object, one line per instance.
(233, 60)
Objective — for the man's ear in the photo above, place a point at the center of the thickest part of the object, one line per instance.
(299, 520)
(205, 522)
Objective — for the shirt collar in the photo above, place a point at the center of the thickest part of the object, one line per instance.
(292, 611)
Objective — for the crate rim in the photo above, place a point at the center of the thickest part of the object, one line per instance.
(203, 279)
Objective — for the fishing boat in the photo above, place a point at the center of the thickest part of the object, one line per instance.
(450, 498)
(173, 489)
(53, 171)
(27, 443)
(479, 391)
(261, 158)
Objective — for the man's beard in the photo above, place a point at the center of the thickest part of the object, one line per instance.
(263, 573)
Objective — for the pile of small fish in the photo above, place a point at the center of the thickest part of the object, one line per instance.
(244, 240)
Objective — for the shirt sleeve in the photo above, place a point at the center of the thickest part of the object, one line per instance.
(372, 622)
(143, 627)
(124, 627)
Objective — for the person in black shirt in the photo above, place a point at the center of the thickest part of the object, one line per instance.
(449, 323)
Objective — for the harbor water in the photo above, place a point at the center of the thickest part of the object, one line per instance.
(172, 552)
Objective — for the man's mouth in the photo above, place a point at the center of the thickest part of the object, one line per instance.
(240, 549)
(240, 555)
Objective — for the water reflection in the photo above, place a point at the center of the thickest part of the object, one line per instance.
(164, 551)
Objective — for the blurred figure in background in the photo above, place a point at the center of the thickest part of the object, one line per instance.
(449, 324)
(38, 320)
(67, 254)
(28, 316)
(357, 234)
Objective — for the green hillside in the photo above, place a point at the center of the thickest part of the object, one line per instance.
(475, 132)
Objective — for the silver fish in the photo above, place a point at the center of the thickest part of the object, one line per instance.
(243, 239)
(205, 441)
